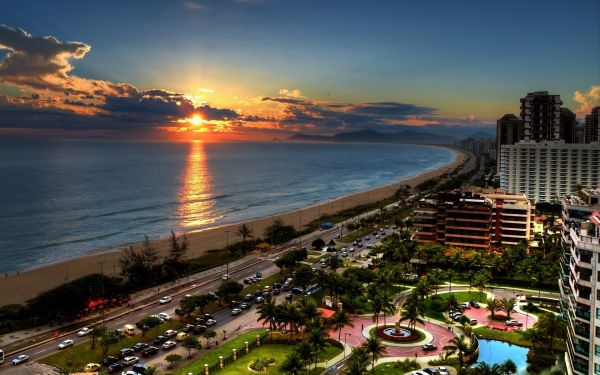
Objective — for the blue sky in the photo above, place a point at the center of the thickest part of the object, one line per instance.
(465, 59)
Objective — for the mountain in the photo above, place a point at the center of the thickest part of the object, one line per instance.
(482, 135)
(370, 135)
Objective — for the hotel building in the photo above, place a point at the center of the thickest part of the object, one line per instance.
(546, 171)
(540, 113)
(592, 126)
(580, 282)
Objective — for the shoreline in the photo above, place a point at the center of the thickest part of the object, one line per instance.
(18, 288)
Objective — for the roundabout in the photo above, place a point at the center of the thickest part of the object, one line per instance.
(398, 335)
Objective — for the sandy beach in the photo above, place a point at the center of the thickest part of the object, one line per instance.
(27, 284)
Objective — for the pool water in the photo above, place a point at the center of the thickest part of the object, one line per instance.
(496, 352)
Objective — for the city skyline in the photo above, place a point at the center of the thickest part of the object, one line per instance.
(259, 69)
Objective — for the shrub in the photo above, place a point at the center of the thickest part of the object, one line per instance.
(407, 365)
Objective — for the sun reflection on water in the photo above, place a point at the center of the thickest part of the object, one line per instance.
(195, 203)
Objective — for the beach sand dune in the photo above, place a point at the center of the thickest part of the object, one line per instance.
(27, 284)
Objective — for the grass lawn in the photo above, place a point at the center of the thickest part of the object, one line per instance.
(511, 337)
(277, 351)
(391, 368)
(76, 357)
(435, 313)
(223, 349)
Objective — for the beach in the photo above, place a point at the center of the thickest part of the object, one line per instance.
(18, 288)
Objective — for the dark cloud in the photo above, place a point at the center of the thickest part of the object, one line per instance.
(284, 100)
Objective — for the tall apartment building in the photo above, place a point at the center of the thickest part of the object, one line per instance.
(546, 171)
(509, 130)
(592, 126)
(568, 126)
(579, 281)
(474, 218)
(540, 113)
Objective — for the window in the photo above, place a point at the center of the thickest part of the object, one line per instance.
(596, 369)
(597, 351)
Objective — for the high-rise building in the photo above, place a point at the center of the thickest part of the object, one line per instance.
(592, 126)
(540, 113)
(474, 218)
(579, 281)
(509, 130)
(568, 126)
(546, 171)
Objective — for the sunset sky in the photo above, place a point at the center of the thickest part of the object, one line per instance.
(245, 69)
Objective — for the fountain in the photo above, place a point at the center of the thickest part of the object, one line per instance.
(397, 333)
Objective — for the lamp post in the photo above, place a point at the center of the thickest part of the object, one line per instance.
(227, 249)
(346, 333)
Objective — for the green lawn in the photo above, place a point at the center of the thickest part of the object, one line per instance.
(437, 313)
(391, 368)
(76, 357)
(512, 337)
(466, 296)
(277, 351)
(223, 349)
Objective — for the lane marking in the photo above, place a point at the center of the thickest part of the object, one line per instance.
(41, 351)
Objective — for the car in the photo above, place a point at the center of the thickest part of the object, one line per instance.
(125, 352)
(158, 340)
(370, 246)
(128, 361)
(114, 368)
(169, 345)
(248, 298)
(65, 344)
(181, 336)
(225, 276)
(199, 321)
(91, 367)
(276, 291)
(208, 316)
(344, 254)
(431, 371)
(185, 297)
(277, 285)
(108, 360)
(149, 351)
(142, 326)
(245, 306)
(513, 322)
(323, 261)
(289, 296)
(376, 236)
(140, 346)
(261, 299)
(474, 304)
(188, 328)
(234, 304)
(443, 371)
(129, 372)
(464, 305)
(199, 329)
(170, 333)
(472, 321)
(158, 317)
(367, 238)
(247, 281)
(84, 331)
(19, 359)
(211, 322)
(351, 249)
(164, 316)
(418, 373)
(165, 299)
(428, 347)
(296, 291)
(140, 368)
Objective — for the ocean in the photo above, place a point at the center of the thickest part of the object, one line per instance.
(64, 198)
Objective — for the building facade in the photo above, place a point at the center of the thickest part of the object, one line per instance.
(568, 126)
(546, 171)
(540, 112)
(509, 130)
(592, 126)
(474, 218)
(579, 282)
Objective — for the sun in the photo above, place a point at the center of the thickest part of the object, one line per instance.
(195, 120)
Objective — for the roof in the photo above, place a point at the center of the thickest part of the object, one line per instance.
(595, 218)
(327, 313)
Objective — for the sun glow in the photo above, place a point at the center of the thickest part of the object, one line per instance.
(195, 120)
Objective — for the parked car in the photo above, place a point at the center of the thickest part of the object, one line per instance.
(114, 368)
(289, 296)
(159, 340)
(429, 347)
(128, 361)
(443, 371)
(170, 333)
(245, 306)
(91, 367)
(474, 304)
(140, 346)
(261, 299)
(65, 344)
(431, 371)
(140, 368)
(84, 331)
(19, 359)
(129, 372)
(418, 373)
(276, 291)
(225, 277)
(464, 305)
(248, 298)
(181, 336)
(165, 299)
(125, 352)
(296, 291)
(164, 316)
(211, 322)
(168, 345)
(199, 329)
(513, 322)
(107, 361)
(149, 351)
(236, 311)
(188, 328)
(185, 297)
(473, 321)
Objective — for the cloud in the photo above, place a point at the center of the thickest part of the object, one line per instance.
(193, 5)
(295, 93)
(587, 100)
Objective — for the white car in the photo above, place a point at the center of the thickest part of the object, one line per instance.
(513, 322)
(236, 311)
(19, 359)
(210, 322)
(65, 344)
(473, 321)
(168, 345)
(225, 276)
(443, 370)
(129, 372)
(84, 331)
(170, 333)
(165, 299)
(128, 361)
(164, 316)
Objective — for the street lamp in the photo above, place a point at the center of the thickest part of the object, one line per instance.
(349, 334)
(227, 249)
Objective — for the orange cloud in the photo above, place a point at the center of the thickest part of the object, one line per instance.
(587, 100)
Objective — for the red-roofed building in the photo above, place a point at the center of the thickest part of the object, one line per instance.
(325, 313)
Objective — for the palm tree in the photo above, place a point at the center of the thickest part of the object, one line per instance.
(452, 304)
(508, 367)
(480, 280)
(267, 312)
(422, 290)
(377, 306)
(492, 306)
(507, 305)
(551, 326)
(435, 278)
(289, 315)
(460, 346)
(375, 349)
(244, 231)
(318, 340)
(450, 275)
(341, 319)
(293, 364)
(304, 350)
(412, 310)
(357, 362)
(97, 332)
(535, 336)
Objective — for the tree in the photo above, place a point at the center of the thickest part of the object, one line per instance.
(357, 362)
(267, 312)
(435, 278)
(279, 232)
(551, 326)
(191, 343)
(335, 263)
(138, 267)
(450, 275)
(209, 334)
(413, 310)
(96, 333)
(174, 263)
(244, 231)
(303, 277)
(229, 288)
(108, 340)
(172, 358)
(293, 364)
(452, 303)
(317, 337)
(459, 346)
(481, 279)
(318, 244)
(341, 319)
(507, 305)
(304, 350)
(492, 306)
(375, 348)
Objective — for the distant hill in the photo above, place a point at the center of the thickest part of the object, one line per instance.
(369, 135)
(482, 135)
